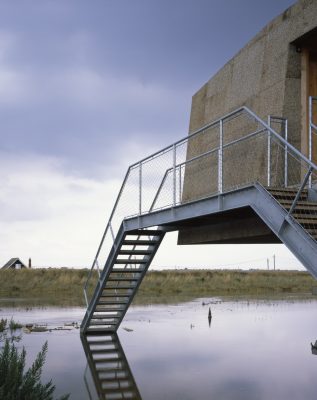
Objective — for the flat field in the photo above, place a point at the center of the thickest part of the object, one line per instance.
(65, 286)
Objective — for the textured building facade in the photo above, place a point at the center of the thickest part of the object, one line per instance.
(274, 74)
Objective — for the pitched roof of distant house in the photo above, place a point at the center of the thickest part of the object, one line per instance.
(11, 262)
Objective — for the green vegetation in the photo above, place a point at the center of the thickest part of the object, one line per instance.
(65, 286)
(46, 286)
(7, 330)
(200, 283)
(3, 324)
(15, 384)
(14, 325)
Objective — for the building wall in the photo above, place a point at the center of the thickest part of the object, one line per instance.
(265, 76)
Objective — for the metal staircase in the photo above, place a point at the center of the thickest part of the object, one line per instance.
(109, 368)
(132, 254)
(206, 176)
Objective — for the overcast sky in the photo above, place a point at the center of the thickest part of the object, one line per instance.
(87, 88)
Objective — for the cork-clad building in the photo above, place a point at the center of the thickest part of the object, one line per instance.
(274, 74)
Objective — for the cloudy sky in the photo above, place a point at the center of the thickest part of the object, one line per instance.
(89, 87)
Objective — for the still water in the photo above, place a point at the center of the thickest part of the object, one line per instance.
(250, 350)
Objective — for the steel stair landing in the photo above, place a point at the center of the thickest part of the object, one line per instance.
(160, 191)
(118, 284)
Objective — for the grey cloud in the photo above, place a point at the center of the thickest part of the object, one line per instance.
(82, 82)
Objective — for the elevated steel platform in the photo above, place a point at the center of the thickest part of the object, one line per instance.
(287, 213)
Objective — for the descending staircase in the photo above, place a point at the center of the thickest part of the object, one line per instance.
(109, 368)
(305, 211)
(133, 252)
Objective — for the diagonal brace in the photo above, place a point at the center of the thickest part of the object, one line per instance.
(308, 173)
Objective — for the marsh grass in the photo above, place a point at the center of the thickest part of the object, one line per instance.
(56, 286)
(226, 282)
(65, 286)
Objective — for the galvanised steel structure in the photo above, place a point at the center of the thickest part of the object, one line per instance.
(180, 184)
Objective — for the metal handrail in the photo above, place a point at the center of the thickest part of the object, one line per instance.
(219, 121)
(207, 153)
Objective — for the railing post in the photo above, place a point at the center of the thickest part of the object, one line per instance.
(174, 175)
(286, 154)
(180, 183)
(140, 188)
(310, 139)
(269, 152)
(220, 158)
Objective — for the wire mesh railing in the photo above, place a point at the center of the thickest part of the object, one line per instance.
(233, 151)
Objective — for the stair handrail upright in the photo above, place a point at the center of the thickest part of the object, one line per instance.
(312, 129)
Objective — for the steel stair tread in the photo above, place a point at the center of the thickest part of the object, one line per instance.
(299, 203)
(115, 379)
(146, 232)
(99, 342)
(123, 279)
(140, 242)
(117, 287)
(124, 390)
(126, 270)
(283, 189)
(103, 324)
(107, 360)
(103, 351)
(306, 221)
(130, 261)
(135, 252)
(114, 295)
(110, 302)
(110, 317)
(92, 329)
(107, 370)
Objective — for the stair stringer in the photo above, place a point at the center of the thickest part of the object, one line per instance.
(286, 228)
(102, 279)
(108, 269)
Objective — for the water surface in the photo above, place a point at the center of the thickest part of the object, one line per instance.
(251, 350)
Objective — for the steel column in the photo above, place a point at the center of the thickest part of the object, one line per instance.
(286, 154)
(140, 188)
(269, 152)
(220, 158)
(174, 175)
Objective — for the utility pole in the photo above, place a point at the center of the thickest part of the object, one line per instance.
(274, 261)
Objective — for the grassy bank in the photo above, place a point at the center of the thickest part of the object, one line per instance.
(51, 286)
(64, 286)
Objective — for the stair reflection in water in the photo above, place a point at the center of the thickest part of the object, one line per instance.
(109, 368)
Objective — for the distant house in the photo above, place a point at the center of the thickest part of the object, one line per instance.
(14, 263)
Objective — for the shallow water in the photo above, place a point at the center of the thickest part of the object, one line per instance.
(251, 350)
